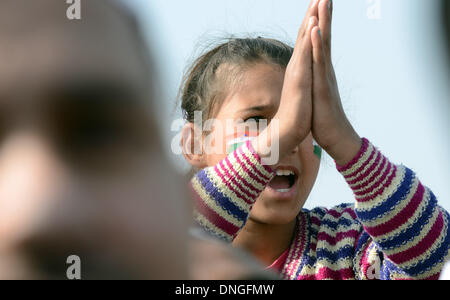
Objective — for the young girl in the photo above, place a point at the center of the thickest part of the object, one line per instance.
(395, 229)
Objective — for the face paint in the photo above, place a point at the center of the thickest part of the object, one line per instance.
(238, 139)
(317, 149)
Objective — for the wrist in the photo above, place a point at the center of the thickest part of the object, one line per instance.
(346, 149)
(276, 141)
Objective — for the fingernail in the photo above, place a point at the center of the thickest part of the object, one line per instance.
(320, 33)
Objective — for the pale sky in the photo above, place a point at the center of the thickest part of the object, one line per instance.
(392, 73)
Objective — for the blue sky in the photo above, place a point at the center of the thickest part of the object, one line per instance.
(392, 73)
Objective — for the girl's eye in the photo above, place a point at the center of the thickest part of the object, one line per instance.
(257, 119)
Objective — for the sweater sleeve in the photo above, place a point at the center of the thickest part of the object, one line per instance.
(401, 217)
(225, 193)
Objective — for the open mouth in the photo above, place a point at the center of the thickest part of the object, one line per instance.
(284, 180)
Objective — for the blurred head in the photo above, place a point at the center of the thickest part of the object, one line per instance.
(81, 165)
(239, 83)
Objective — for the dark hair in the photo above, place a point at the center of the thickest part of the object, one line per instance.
(203, 85)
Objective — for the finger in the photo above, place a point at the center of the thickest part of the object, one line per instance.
(319, 58)
(305, 83)
(302, 56)
(307, 43)
(310, 12)
(325, 12)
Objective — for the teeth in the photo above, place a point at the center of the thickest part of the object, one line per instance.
(285, 173)
(283, 190)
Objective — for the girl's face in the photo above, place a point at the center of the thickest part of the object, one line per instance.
(258, 97)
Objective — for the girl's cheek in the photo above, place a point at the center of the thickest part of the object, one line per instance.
(310, 163)
(226, 139)
(215, 147)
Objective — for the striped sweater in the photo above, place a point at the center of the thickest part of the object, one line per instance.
(395, 229)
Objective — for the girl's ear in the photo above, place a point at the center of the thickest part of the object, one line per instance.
(191, 144)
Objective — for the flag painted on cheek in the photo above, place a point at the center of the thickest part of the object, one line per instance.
(317, 150)
(238, 139)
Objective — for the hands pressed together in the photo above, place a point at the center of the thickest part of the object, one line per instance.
(310, 101)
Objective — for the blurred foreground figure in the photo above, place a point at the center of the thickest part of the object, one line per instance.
(81, 167)
(82, 171)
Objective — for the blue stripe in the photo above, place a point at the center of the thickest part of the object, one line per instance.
(414, 230)
(435, 258)
(344, 206)
(213, 233)
(220, 199)
(334, 225)
(389, 268)
(344, 252)
(364, 238)
(305, 259)
(318, 211)
(401, 193)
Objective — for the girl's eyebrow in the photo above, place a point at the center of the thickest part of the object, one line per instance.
(258, 108)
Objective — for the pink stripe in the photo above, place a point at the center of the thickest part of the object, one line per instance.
(377, 153)
(380, 190)
(338, 215)
(240, 196)
(316, 221)
(342, 274)
(252, 165)
(425, 244)
(401, 217)
(334, 213)
(247, 159)
(323, 236)
(299, 245)
(213, 217)
(292, 260)
(256, 155)
(255, 170)
(381, 162)
(363, 265)
(239, 177)
(264, 183)
(306, 277)
(374, 184)
(366, 174)
(433, 277)
(236, 183)
(351, 212)
(365, 145)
